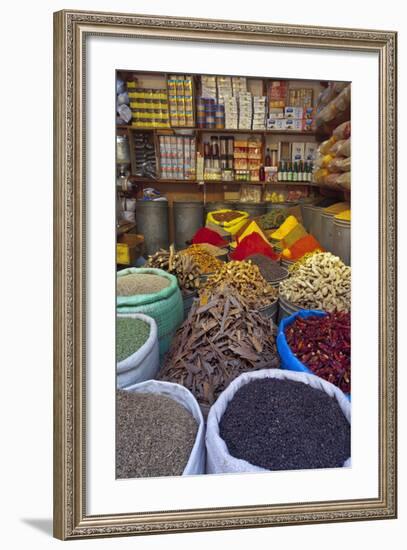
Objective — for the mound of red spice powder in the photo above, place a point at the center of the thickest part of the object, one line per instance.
(323, 345)
(208, 236)
(253, 244)
(304, 245)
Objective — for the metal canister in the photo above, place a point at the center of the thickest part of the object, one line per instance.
(122, 150)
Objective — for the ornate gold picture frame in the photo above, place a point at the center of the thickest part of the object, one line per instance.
(70, 31)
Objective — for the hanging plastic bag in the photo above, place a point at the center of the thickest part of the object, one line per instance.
(339, 164)
(343, 150)
(344, 181)
(342, 131)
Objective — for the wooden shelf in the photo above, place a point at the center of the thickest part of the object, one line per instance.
(221, 182)
(220, 131)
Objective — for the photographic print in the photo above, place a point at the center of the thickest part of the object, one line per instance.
(234, 277)
(225, 274)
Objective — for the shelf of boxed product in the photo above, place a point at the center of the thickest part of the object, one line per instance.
(219, 131)
(222, 130)
(150, 101)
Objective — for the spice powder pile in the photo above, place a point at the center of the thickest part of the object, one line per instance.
(140, 283)
(155, 435)
(131, 334)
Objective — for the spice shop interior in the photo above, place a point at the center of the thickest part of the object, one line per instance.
(233, 255)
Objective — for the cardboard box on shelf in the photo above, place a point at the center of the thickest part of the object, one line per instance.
(307, 125)
(297, 151)
(310, 151)
(293, 112)
(275, 124)
(231, 195)
(275, 112)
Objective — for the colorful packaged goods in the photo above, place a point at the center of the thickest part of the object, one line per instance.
(180, 100)
(178, 157)
(149, 107)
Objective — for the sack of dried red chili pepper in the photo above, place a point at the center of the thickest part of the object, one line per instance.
(317, 342)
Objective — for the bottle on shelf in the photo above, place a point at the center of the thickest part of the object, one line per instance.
(279, 172)
(267, 160)
(274, 157)
(289, 172)
(295, 171)
(262, 173)
(301, 174)
(284, 173)
(214, 147)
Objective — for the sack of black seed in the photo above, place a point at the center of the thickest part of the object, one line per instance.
(274, 419)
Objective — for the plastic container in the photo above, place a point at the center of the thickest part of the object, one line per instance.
(341, 241)
(288, 360)
(286, 308)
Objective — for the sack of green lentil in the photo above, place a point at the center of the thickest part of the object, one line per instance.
(196, 462)
(241, 421)
(137, 352)
(153, 292)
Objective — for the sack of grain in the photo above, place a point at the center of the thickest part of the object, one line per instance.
(219, 460)
(144, 363)
(196, 462)
(162, 302)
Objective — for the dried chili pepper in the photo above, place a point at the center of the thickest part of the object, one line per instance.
(323, 345)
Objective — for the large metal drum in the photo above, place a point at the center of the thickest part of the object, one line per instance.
(188, 218)
(152, 222)
(341, 241)
(254, 209)
(327, 226)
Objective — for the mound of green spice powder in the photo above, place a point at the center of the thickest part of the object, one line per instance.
(131, 334)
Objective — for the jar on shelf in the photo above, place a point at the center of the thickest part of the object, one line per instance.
(122, 150)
